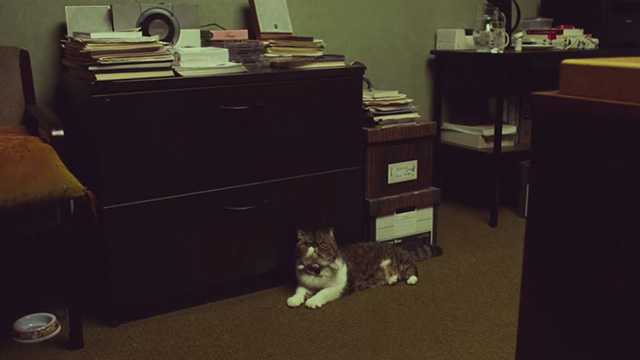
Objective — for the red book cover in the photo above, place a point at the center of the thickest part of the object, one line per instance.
(565, 32)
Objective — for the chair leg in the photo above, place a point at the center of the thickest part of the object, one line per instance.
(74, 311)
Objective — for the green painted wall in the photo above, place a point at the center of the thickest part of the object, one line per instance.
(392, 37)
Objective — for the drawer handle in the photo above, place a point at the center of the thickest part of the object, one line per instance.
(240, 108)
(245, 208)
(406, 209)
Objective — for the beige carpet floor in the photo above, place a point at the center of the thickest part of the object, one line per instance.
(464, 306)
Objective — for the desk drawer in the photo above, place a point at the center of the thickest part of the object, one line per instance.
(156, 144)
(162, 253)
(251, 231)
(277, 130)
(168, 254)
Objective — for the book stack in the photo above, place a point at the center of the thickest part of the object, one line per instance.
(476, 136)
(123, 55)
(205, 61)
(563, 38)
(296, 62)
(294, 47)
(389, 108)
(248, 52)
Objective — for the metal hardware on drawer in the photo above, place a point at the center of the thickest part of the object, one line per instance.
(239, 108)
(245, 208)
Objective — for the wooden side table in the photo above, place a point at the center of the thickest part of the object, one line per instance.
(499, 75)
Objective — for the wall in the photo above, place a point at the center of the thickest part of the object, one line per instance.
(393, 38)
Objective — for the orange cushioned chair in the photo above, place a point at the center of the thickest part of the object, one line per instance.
(37, 191)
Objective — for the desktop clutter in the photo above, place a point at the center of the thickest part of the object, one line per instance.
(532, 34)
(492, 34)
(134, 41)
(540, 33)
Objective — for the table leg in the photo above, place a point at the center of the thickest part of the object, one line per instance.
(495, 160)
(437, 117)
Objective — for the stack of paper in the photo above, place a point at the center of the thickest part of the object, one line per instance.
(205, 61)
(476, 136)
(278, 48)
(485, 130)
(247, 52)
(297, 62)
(389, 108)
(116, 56)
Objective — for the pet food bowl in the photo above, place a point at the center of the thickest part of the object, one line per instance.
(35, 328)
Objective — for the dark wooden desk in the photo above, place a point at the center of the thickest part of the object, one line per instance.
(202, 182)
(580, 278)
(499, 75)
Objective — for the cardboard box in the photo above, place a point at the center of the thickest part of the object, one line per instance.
(407, 219)
(399, 160)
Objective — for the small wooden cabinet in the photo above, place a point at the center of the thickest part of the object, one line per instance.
(405, 148)
(401, 205)
(202, 182)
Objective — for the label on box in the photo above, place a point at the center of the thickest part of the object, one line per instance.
(405, 223)
(403, 171)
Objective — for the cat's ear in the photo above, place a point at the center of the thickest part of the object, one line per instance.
(330, 231)
(301, 234)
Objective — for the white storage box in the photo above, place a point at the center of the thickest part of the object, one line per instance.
(453, 39)
(406, 219)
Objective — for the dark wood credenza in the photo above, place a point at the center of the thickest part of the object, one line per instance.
(202, 182)
(579, 297)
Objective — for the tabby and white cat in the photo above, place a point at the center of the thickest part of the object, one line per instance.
(326, 272)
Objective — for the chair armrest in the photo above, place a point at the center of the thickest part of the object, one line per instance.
(40, 123)
(45, 125)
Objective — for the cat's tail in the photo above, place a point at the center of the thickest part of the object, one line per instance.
(425, 251)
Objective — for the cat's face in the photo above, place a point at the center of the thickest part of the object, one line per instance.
(317, 247)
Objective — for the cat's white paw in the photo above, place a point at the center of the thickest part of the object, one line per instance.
(412, 280)
(295, 301)
(392, 279)
(314, 303)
